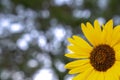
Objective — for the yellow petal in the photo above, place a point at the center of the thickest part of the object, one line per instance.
(100, 76)
(88, 34)
(76, 63)
(79, 42)
(115, 36)
(116, 68)
(116, 47)
(76, 56)
(93, 34)
(89, 26)
(79, 51)
(83, 75)
(97, 26)
(110, 75)
(80, 69)
(97, 32)
(117, 55)
(115, 71)
(93, 75)
(108, 29)
(117, 63)
(103, 36)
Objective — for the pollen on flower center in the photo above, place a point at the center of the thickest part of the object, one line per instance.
(102, 57)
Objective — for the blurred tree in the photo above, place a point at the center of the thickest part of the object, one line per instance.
(33, 33)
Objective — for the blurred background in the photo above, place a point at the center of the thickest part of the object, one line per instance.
(33, 34)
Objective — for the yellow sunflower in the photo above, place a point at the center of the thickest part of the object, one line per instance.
(99, 58)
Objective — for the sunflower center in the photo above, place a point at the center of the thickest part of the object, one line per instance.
(102, 57)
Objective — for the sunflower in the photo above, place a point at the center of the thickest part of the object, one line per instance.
(98, 58)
